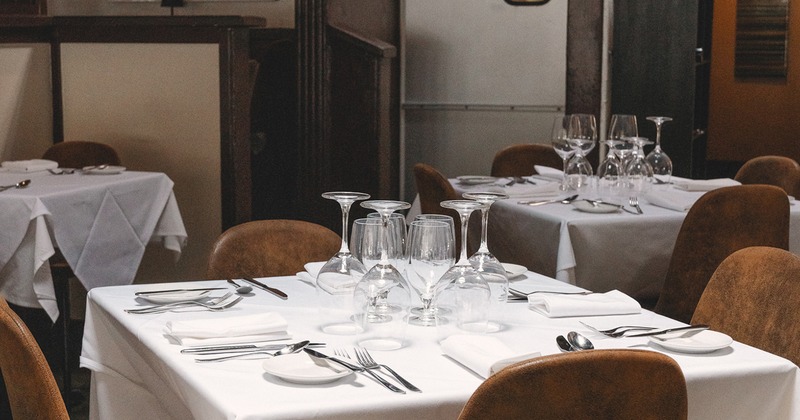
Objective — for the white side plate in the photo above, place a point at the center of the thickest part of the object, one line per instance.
(300, 368)
(703, 342)
(514, 270)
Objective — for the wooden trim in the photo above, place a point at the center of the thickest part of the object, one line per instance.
(368, 45)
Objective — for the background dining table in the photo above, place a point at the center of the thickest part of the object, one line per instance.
(596, 251)
(101, 223)
(139, 372)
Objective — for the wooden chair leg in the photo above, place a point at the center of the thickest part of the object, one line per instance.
(62, 297)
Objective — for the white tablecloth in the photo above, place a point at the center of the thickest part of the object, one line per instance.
(599, 252)
(100, 223)
(137, 373)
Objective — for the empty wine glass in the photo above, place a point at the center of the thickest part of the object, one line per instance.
(487, 264)
(381, 296)
(611, 171)
(337, 279)
(581, 135)
(449, 220)
(366, 242)
(639, 173)
(558, 140)
(471, 291)
(430, 255)
(658, 159)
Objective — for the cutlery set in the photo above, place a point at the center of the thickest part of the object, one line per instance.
(622, 331)
(215, 304)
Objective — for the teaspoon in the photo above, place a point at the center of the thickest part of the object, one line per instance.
(579, 342)
(563, 344)
(22, 184)
(241, 290)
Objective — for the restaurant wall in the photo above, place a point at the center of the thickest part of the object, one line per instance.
(749, 118)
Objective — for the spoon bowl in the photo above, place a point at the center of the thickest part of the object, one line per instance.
(579, 342)
(563, 344)
(240, 290)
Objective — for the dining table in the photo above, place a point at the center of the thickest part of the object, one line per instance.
(100, 220)
(597, 250)
(139, 370)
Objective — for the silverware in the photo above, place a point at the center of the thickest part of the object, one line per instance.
(520, 294)
(285, 349)
(155, 292)
(263, 286)
(366, 360)
(634, 202)
(698, 327)
(558, 200)
(61, 171)
(354, 368)
(22, 184)
(617, 329)
(238, 348)
(223, 302)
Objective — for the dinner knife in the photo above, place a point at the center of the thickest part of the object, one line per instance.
(669, 330)
(355, 368)
(155, 292)
(263, 286)
(239, 348)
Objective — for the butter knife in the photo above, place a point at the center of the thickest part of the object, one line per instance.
(355, 368)
(669, 330)
(155, 292)
(263, 286)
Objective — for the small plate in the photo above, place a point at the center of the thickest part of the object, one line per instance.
(476, 179)
(589, 207)
(703, 342)
(514, 270)
(300, 368)
(171, 297)
(108, 170)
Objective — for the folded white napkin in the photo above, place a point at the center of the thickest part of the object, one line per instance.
(609, 303)
(482, 354)
(671, 199)
(332, 283)
(525, 190)
(704, 184)
(33, 165)
(549, 172)
(237, 329)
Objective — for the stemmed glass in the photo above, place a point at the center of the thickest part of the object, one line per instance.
(430, 254)
(611, 171)
(472, 293)
(581, 135)
(639, 173)
(338, 277)
(382, 291)
(483, 260)
(451, 227)
(559, 142)
(658, 159)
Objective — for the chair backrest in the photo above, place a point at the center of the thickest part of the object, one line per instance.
(78, 154)
(592, 384)
(266, 248)
(779, 171)
(721, 222)
(433, 188)
(519, 160)
(32, 390)
(753, 298)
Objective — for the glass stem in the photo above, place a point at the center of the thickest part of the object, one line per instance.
(384, 239)
(564, 177)
(658, 134)
(345, 215)
(484, 248)
(464, 222)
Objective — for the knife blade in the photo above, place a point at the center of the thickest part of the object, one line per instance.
(669, 330)
(263, 286)
(355, 368)
(155, 292)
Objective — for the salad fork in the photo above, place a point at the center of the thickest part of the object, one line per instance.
(345, 355)
(222, 302)
(634, 201)
(366, 360)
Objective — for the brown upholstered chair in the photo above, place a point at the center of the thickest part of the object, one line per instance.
(592, 384)
(72, 154)
(519, 159)
(32, 390)
(718, 224)
(779, 171)
(433, 188)
(265, 248)
(77, 154)
(753, 298)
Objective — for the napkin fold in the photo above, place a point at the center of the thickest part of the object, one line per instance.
(704, 184)
(559, 306)
(333, 283)
(548, 172)
(482, 354)
(237, 329)
(673, 200)
(525, 190)
(33, 165)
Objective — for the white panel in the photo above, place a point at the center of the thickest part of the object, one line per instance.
(158, 105)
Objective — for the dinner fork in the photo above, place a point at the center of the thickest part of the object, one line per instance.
(384, 382)
(634, 201)
(222, 302)
(616, 330)
(520, 294)
(366, 360)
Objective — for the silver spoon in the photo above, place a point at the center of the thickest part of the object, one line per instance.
(289, 349)
(563, 344)
(22, 184)
(241, 290)
(579, 342)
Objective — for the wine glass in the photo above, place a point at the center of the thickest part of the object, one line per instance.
(382, 295)
(487, 264)
(639, 173)
(611, 171)
(471, 291)
(449, 220)
(397, 237)
(366, 242)
(338, 277)
(581, 135)
(559, 142)
(658, 159)
(430, 255)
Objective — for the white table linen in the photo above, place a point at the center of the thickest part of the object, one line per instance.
(137, 373)
(100, 223)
